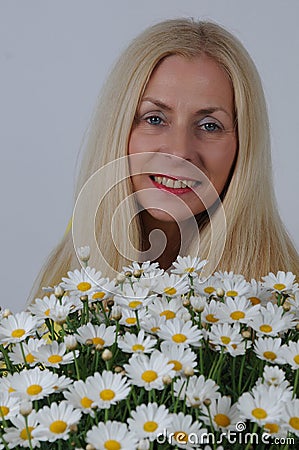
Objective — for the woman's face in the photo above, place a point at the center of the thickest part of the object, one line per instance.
(184, 136)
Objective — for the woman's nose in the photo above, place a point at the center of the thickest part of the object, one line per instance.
(179, 142)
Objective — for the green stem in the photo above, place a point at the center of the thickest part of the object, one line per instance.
(248, 446)
(296, 383)
(76, 365)
(28, 433)
(24, 356)
(6, 359)
(137, 320)
(241, 375)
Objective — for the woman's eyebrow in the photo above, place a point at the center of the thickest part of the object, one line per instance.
(203, 111)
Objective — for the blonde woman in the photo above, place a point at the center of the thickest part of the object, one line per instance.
(182, 110)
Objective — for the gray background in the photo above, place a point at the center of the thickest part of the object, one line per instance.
(54, 57)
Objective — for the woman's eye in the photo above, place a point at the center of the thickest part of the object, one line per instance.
(154, 120)
(210, 126)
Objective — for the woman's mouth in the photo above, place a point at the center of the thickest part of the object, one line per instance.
(174, 185)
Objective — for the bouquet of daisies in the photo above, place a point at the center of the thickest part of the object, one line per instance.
(153, 360)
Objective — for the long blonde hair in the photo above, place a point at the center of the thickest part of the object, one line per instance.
(256, 241)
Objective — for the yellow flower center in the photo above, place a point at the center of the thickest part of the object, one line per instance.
(98, 341)
(259, 413)
(279, 286)
(131, 320)
(111, 444)
(294, 422)
(271, 427)
(18, 333)
(99, 295)
(34, 389)
(179, 338)
(11, 389)
(4, 411)
(266, 328)
(107, 395)
(211, 318)
(222, 420)
(270, 355)
(54, 359)
(170, 290)
(86, 402)
(296, 359)
(181, 437)
(24, 434)
(168, 314)
(150, 426)
(189, 269)
(155, 329)
(209, 289)
(149, 375)
(254, 300)
(231, 293)
(134, 304)
(83, 286)
(225, 340)
(176, 365)
(237, 315)
(58, 426)
(138, 347)
(30, 358)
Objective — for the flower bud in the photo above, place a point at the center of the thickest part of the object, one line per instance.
(84, 253)
(110, 303)
(70, 342)
(73, 427)
(26, 408)
(116, 313)
(90, 447)
(207, 402)
(220, 292)
(58, 291)
(107, 355)
(7, 312)
(166, 380)
(286, 306)
(143, 444)
(88, 342)
(186, 301)
(137, 273)
(120, 278)
(84, 298)
(128, 273)
(246, 334)
(188, 371)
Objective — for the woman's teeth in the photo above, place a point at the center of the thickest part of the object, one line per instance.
(175, 184)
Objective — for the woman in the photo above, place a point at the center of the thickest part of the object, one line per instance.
(187, 64)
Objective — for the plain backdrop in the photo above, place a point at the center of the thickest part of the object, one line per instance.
(54, 56)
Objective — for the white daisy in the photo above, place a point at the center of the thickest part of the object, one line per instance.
(129, 318)
(134, 298)
(272, 320)
(235, 288)
(144, 268)
(224, 415)
(184, 432)
(237, 310)
(258, 294)
(106, 289)
(282, 282)
(83, 282)
(208, 287)
(178, 356)
(195, 390)
(32, 346)
(225, 335)
(269, 349)
(18, 435)
(273, 375)
(152, 324)
(188, 265)
(16, 328)
(78, 395)
(198, 302)
(291, 354)
(211, 312)
(111, 435)
(228, 276)
(55, 421)
(42, 306)
(291, 416)
(147, 421)
(179, 332)
(130, 343)
(98, 334)
(9, 405)
(263, 405)
(148, 372)
(107, 388)
(54, 354)
(172, 285)
(168, 309)
(34, 383)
